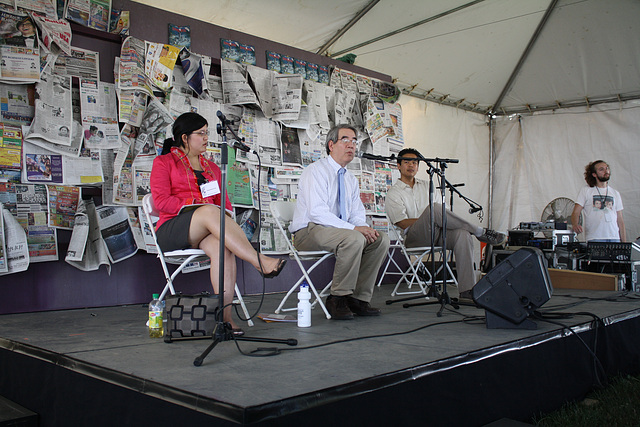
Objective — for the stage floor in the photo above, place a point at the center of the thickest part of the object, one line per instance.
(333, 359)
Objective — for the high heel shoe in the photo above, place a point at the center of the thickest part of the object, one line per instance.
(276, 271)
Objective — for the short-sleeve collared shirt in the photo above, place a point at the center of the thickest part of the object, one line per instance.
(406, 202)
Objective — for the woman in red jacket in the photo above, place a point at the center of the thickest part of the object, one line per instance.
(178, 178)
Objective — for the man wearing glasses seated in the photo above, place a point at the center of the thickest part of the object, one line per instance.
(330, 216)
(407, 206)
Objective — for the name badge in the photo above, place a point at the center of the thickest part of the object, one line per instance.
(210, 189)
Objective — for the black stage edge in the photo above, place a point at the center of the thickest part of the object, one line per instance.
(514, 380)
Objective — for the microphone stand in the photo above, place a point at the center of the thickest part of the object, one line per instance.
(443, 296)
(223, 331)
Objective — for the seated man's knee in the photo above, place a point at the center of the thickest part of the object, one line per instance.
(353, 238)
(384, 239)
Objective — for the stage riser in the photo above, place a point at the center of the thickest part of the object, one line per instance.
(473, 389)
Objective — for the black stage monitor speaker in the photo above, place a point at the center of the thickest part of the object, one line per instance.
(514, 289)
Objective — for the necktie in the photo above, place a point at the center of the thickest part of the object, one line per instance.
(342, 202)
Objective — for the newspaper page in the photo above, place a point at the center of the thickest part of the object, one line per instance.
(46, 7)
(16, 104)
(63, 203)
(116, 232)
(141, 179)
(54, 115)
(349, 81)
(160, 59)
(87, 249)
(263, 83)
(131, 65)
(47, 59)
(377, 123)
(261, 189)
(131, 106)
(45, 167)
(280, 95)
(314, 96)
(79, 235)
(263, 136)
(72, 150)
(19, 53)
(364, 84)
(344, 104)
(395, 116)
(235, 85)
(17, 253)
(81, 63)
(214, 84)
(291, 153)
(312, 147)
(195, 70)
(90, 13)
(10, 147)
(287, 97)
(54, 33)
(135, 225)
(99, 114)
(107, 157)
(238, 182)
(122, 173)
(28, 204)
(367, 192)
(149, 243)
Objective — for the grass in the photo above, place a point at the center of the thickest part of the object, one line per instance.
(616, 405)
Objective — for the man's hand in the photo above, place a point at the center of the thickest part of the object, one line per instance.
(369, 233)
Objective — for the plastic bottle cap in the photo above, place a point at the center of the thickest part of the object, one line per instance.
(155, 296)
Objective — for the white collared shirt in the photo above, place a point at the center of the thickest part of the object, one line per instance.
(318, 198)
(406, 202)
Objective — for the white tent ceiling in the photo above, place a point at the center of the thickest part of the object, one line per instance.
(500, 56)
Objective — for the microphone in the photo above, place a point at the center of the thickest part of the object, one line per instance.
(361, 154)
(234, 143)
(238, 145)
(474, 210)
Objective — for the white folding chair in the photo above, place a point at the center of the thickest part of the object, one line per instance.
(415, 258)
(282, 212)
(181, 257)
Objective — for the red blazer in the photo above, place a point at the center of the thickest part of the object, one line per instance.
(174, 184)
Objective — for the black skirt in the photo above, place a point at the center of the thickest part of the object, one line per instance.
(174, 234)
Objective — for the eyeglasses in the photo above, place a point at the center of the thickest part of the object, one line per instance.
(346, 140)
(202, 133)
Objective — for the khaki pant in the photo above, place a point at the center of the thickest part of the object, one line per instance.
(459, 239)
(357, 262)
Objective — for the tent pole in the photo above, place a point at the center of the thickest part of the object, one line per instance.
(492, 122)
(525, 54)
(346, 28)
(399, 30)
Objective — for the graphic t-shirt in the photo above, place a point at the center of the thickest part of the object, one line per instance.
(601, 206)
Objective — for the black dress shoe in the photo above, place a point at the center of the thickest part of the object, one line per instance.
(337, 308)
(362, 308)
(276, 271)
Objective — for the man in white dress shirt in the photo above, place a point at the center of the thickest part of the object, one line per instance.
(330, 216)
(407, 206)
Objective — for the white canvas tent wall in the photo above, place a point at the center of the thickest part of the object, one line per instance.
(494, 58)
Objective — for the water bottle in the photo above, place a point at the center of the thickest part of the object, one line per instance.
(156, 328)
(304, 306)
